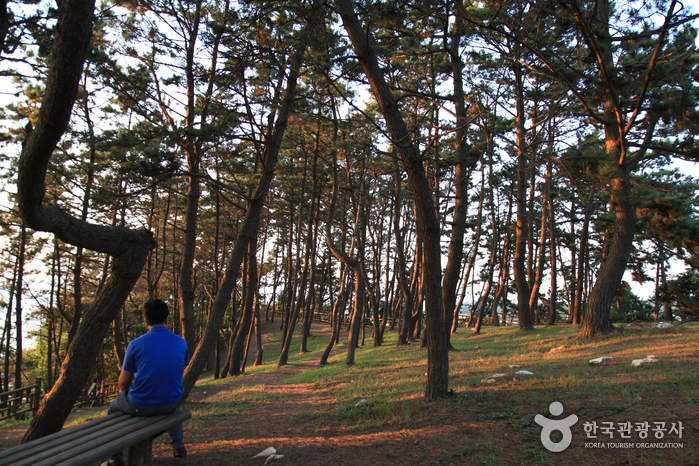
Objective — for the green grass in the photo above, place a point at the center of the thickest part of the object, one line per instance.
(393, 379)
(559, 361)
(86, 417)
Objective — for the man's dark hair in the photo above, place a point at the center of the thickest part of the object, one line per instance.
(155, 311)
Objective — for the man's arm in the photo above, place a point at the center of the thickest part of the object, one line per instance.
(125, 380)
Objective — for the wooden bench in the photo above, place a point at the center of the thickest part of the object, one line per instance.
(96, 441)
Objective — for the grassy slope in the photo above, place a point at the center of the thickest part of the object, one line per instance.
(393, 378)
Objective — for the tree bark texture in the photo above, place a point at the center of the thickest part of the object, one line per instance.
(524, 311)
(597, 315)
(464, 165)
(247, 317)
(129, 248)
(250, 225)
(428, 223)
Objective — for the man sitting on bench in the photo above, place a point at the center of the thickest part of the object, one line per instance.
(150, 382)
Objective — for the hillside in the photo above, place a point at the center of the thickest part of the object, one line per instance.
(317, 415)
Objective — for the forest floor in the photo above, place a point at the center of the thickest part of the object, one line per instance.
(316, 416)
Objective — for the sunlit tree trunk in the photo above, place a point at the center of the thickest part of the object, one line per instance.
(524, 311)
(553, 252)
(250, 224)
(247, 311)
(463, 167)
(428, 225)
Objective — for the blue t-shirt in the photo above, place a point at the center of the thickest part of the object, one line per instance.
(157, 360)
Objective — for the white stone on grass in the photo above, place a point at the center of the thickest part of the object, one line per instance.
(273, 458)
(601, 360)
(493, 378)
(266, 453)
(641, 362)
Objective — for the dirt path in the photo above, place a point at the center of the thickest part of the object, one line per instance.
(299, 420)
(236, 418)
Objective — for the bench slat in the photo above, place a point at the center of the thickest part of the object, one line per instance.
(38, 451)
(109, 432)
(76, 444)
(59, 437)
(134, 428)
(105, 450)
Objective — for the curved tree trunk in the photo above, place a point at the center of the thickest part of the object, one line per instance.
(351, 262)
(597, 316)
(129, 248)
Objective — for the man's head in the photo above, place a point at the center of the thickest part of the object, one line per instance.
(155, 312)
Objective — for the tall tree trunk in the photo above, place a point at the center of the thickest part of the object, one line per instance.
(21, 256)
(408, 303)
(428, 224)
(464, 164)
(483, 301)
(251, 222)
(311, 244)
(7, 328)
(599, 40)
(186, 269)
(597, 316)
(524, 312)
(582, 255)
(51, 319)
(502, 280)
(540, 262)
(247, 314)
(474, 252)
(553, 283)
(192, 149)
(336, 313)
(351, 262)
(667, 309)
(87, 196)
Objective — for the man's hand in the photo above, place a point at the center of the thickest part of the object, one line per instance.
(125, 380)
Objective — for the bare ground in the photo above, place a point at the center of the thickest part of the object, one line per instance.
(300, 420)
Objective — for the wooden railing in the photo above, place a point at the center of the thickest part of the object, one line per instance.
(20, 400)
(97, 395)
